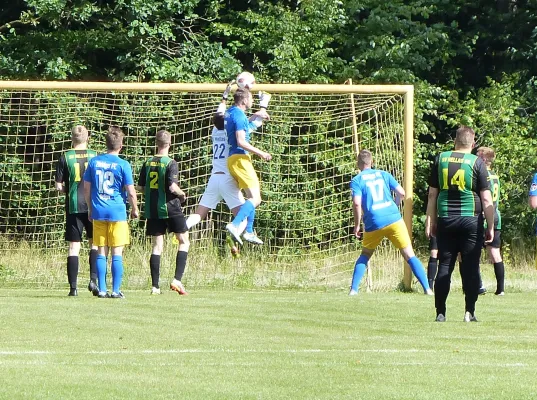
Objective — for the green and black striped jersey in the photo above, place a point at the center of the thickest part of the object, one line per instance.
(460, 177)
(70, 169)
(156, 175)
(494, 182)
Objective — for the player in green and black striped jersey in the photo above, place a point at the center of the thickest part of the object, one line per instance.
(69, 171)
(459, 193)
(493, 248)
(159, 182)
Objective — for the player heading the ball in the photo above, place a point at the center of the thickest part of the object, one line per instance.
(240, 163)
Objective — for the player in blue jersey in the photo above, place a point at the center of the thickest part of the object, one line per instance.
(372, 199)
(533, 201)
(240, 164)
(221, 185)
(105, 179)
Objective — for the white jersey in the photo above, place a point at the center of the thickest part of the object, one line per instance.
(220, 150)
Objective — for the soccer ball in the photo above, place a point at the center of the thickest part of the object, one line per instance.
(245, 80)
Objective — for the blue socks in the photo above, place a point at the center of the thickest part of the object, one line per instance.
(244, 212)
(359, 270)
(419, 272)
(100, 263)
(117, 273)
(250, 222)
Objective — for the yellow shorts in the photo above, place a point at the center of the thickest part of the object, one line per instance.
(396, 233)
(111, 234)
(241, 169)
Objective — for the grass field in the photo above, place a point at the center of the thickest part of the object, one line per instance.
(264, 345)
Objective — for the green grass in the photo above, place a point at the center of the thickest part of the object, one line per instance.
(264, 345)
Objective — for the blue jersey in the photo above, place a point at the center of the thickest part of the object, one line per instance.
(235, 120)
(374, 187)
(533, 191)
(108, 175)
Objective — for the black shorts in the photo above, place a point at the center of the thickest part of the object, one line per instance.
(464, 235)
(157, 227)
(75, 225)
(497, 241)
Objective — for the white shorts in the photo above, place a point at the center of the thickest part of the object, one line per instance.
(222, 187)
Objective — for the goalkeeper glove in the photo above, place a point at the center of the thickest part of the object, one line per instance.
(225, 95)
(264, 99)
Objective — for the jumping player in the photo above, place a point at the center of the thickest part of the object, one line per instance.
(240, 164)
(221, 185)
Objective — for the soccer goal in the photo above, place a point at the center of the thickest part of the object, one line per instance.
(305, 219)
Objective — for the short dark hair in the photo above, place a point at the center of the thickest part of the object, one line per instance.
(218, 121)
(114, 138)
(465, 136)
(241, 96)
(364, 158)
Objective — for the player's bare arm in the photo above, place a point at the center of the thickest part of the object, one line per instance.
(87, 196)
(243, 143)
(431, 216)
(60, 187)
(399, 194)
(133, 201)
(262, 113)
(488, 209)
(357, 212)
(532, 201)
(176, 190)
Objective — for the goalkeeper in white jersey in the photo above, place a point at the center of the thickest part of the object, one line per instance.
(221, 185)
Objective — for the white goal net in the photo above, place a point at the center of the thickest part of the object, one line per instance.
(305, 219)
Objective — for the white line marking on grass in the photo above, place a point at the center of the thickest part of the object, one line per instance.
(265, 351)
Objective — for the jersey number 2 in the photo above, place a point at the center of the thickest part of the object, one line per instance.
(153, 180)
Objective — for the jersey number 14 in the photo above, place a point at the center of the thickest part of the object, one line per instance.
(456, 180)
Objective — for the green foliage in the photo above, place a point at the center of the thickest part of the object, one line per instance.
(159, 40)
(286, 43)
(471, 62)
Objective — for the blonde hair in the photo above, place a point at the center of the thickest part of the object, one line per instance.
(163, 138)
(79, 134)
(114, 138)
(486, 153)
